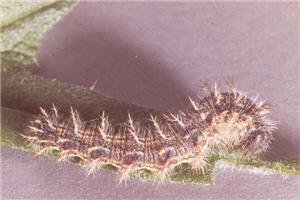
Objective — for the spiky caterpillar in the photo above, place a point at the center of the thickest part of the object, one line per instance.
(221, 120)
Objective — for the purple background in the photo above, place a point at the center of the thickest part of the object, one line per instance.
(155, 55)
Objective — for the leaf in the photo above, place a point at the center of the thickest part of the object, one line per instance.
(23, 23)
(25, 91)
(13, 122)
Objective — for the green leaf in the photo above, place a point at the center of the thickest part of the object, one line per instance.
(24, 91)
(13, 122)
(23, 23)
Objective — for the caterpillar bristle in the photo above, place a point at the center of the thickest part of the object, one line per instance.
(221, 121)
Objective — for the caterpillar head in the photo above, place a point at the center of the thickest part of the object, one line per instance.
(237, 121)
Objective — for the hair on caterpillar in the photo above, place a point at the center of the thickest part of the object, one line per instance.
(220, 121)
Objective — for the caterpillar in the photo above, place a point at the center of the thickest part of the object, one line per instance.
(224, 119)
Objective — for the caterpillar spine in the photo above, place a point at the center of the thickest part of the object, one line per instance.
(221, 120)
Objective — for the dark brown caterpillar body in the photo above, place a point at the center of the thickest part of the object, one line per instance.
(222, 120)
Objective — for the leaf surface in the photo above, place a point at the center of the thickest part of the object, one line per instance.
(23, 24)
